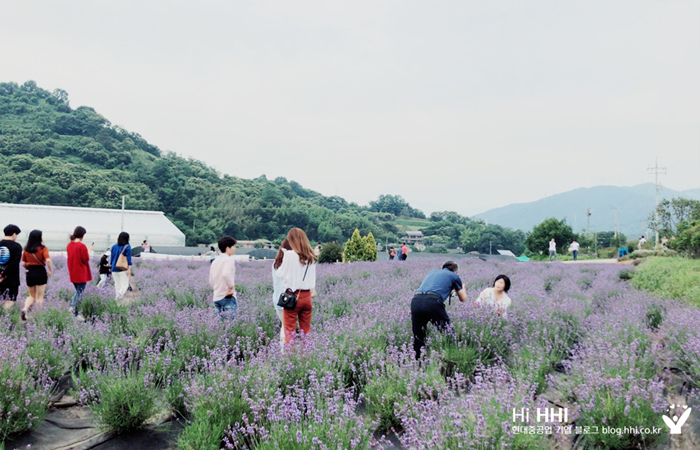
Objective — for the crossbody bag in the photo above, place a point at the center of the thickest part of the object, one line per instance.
(288, 298)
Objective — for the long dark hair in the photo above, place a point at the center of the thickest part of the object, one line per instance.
(123, 239)
(34, 243)
(78, 233)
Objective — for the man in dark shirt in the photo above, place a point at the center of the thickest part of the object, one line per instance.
(428, 305)
(10, 251)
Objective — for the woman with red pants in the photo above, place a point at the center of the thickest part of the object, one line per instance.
(298, 273)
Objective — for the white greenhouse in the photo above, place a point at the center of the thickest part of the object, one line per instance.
(102, 225)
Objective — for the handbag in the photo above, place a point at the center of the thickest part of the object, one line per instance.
(122, 263)
(288, 298)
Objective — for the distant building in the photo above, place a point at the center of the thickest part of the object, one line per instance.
(103, 225)
(259, 243)
(414, 237)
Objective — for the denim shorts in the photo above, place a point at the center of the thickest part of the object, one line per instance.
(226, 305)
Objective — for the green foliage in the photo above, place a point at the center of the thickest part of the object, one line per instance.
(125, 402)
(354, 248)
(369, 248)
(538, 239)
(331, 253)
(396, 205)
(672, 277)
(688, 238)
(654, 317)
(20, 389)
(75, 157)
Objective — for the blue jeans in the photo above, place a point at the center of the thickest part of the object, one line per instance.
(77, 297)
(226, 307)
(575, 252)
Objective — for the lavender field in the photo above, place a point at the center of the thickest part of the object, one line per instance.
(577, 338)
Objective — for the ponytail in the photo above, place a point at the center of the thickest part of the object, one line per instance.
(78, 233)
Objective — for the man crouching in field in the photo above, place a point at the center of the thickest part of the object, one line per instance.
(428, 305)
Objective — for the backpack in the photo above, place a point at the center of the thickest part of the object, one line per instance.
(4, 261)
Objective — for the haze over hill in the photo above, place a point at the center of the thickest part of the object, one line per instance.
(634, 204)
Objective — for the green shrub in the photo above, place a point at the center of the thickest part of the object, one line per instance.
(654, 317)
(24, 401)
(125, 404)
(331, 253)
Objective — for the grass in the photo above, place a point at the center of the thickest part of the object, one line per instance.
(671, 277)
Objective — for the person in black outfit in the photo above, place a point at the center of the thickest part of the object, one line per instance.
(10, 257)
(428, 304)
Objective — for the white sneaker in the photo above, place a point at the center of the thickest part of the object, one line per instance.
(80, 318)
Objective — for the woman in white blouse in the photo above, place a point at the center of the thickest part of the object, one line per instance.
(496, 297)
(278, 286)
(298, 274)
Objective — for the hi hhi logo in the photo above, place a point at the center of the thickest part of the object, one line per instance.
(543, 414)
(676, 422)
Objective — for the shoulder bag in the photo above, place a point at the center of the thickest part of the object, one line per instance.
(122, 263)
(288, 298)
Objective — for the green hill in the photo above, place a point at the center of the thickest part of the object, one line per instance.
(55, 155)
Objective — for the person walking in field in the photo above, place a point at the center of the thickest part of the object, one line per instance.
(104, 269)
(10, 257)
(552, 249)
(495, 297)
(222, 279)
(298, 273)
(78, 263)
(428, 303)
(121, 273)
(278, 286)
(404, 252)
(574, 249)
(36, 260)
(392, 253)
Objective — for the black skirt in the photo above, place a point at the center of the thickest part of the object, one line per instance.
(36, 276)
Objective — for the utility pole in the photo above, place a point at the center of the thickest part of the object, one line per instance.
(588, 220)
(123, 203)
(656, 170)
(490, 247)
(617, 226)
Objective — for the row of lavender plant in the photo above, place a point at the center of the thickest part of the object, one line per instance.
(357, 373)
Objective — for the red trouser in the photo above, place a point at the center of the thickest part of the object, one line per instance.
(303, 312)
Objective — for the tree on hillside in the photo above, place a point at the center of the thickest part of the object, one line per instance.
(396, 205)
(537, 240)
(354, 248)
(672, 213)
(369, 247)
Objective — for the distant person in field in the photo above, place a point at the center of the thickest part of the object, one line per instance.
(78, 263)
(495, 297)
(278, 286)
(404, 252)
(10, 257)
(298, 273)
(574, 249)
(317, 251)
(120, 275)
(552, 249)
(392, 253)
(642, 241)
(104, 269)
(428, 304)
(36, 260)
(222, 279)
(145, 247)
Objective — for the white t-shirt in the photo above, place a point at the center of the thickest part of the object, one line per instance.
(574, 246)
(487, 298)
(277, 288)
(292, 271)
(552, 246)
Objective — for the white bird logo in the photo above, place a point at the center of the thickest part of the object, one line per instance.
(676, 423)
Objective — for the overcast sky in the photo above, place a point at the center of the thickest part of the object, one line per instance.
(457, 105)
